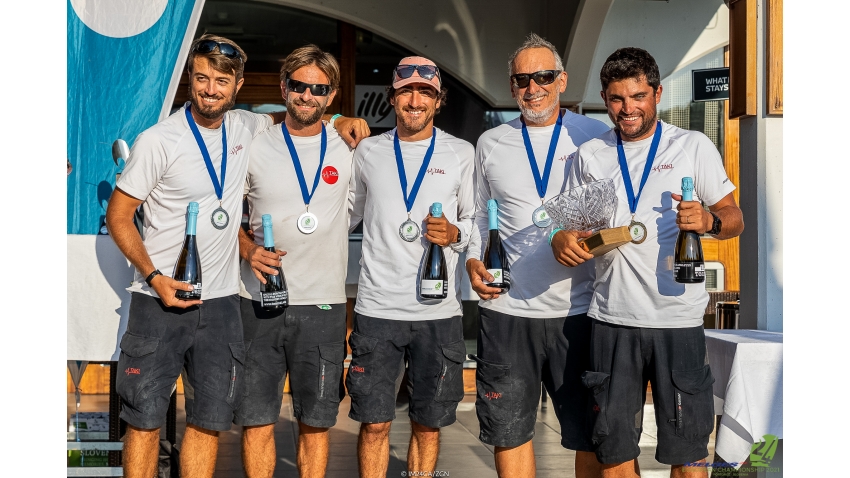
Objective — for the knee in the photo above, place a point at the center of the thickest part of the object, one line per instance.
(259, 433)
(375, 430)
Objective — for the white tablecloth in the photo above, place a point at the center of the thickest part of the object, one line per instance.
(98, 302)
(747, 368)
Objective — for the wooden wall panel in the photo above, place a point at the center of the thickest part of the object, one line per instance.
(742, 58)
(774, 57)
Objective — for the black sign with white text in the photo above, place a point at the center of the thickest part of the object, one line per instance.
(711, 84)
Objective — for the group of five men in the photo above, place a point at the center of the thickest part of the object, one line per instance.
(593, 332)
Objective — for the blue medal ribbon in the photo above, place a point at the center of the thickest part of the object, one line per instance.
(297, 163)
(409, 199)
(624, 167)
(219, 188)
(542, 182)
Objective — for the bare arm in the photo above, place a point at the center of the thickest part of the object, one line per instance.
(692, 216)
(119, 221)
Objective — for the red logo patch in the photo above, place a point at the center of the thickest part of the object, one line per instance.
(493, 395)
(357, 368)
(133, 371)
(596, 408)
(330, 175)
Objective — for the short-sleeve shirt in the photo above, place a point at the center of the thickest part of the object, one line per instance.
(167, 171)
(634, 283)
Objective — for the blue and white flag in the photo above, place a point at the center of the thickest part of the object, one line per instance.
(125, 58)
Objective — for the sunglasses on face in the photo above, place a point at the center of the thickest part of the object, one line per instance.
(542, 77)
(300, 87)
(425, 71)
(225, 49)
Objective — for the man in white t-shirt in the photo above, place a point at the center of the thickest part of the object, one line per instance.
(397, 177)
(180, 160)
(538, 330)
(647, 327)
(297, 167)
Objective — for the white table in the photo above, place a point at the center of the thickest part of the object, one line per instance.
(747, 368)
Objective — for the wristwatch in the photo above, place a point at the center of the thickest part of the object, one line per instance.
(715, 226)
(153, 274)
(459, 236)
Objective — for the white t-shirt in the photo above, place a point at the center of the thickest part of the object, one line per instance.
(167, 171)
(634, 283)
(315, 264)
(389, 268)
(540, 286)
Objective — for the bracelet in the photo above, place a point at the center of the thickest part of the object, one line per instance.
(552, 234)
(153, 274)
(333, 118)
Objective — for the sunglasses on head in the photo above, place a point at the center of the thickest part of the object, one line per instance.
(542, 77)
(300, 87)
(226, 49)
(425, 71)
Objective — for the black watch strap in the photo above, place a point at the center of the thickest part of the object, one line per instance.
(153, 274)
(715, 225)
(459, 235)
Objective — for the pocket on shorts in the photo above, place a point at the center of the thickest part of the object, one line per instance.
(694, 403)
(450, 378)
(494, 400)
(331, 357)
(597, 383)
(363, 366)
(237, 370)
(135, 365)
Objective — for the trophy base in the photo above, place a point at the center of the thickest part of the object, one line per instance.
(606, 240)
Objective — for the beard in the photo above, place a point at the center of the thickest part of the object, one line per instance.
(207, 111)
(641, 129)
(536, 116)
(302, 118)
(412, 125)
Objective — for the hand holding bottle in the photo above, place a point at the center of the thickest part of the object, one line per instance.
(166, 288)
(438, 230)
(479, 278)
(691, 216)
(263, 261)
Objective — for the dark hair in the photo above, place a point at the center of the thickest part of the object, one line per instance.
(441, 96)
(217, 60)
(630, 62)
(311, 55)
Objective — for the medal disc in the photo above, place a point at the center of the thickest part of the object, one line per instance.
(219, 218)
(541, 218)
(308, 222)
(409, 231)
(637, 231)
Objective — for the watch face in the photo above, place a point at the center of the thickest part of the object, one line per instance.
(716, 225)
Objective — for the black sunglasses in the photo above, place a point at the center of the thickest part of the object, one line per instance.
(226, 49)
(300, 87)
(425, 71)
(542, 77)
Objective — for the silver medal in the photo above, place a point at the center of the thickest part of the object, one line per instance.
(219, 218)
(308, 222)
(541, 218)
(409, 231)
(637, 231)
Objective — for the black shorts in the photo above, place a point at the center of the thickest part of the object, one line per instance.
(675, 362)
(516, 354)
(305, 340)
(434, 351)
(160, 341)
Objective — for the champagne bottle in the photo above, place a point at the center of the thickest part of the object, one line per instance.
(688, 264)
(495, 259)
(273, 294)
(188, 267)
(434, 280)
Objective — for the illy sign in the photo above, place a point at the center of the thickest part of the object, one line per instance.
(711, 84)
(370, 103)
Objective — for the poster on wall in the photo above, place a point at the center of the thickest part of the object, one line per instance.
(370, 103)
(711, 84)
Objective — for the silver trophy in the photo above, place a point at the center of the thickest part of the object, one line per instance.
(589, 207)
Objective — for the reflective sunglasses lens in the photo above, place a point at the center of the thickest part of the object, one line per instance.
(206, 46)
(427, 71)
(296, 86)
(521, 80)
(320, 90)
(544, 77)
(405, 71)
(228, 50)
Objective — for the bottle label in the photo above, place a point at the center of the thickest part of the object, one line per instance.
(432, 287)
(189, 294)
(499, 276)
(688, 269)
(272, 299)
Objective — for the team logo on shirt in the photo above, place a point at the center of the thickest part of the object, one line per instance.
(235, 150)
(436, 171)
(330, 175)
(662, 167)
